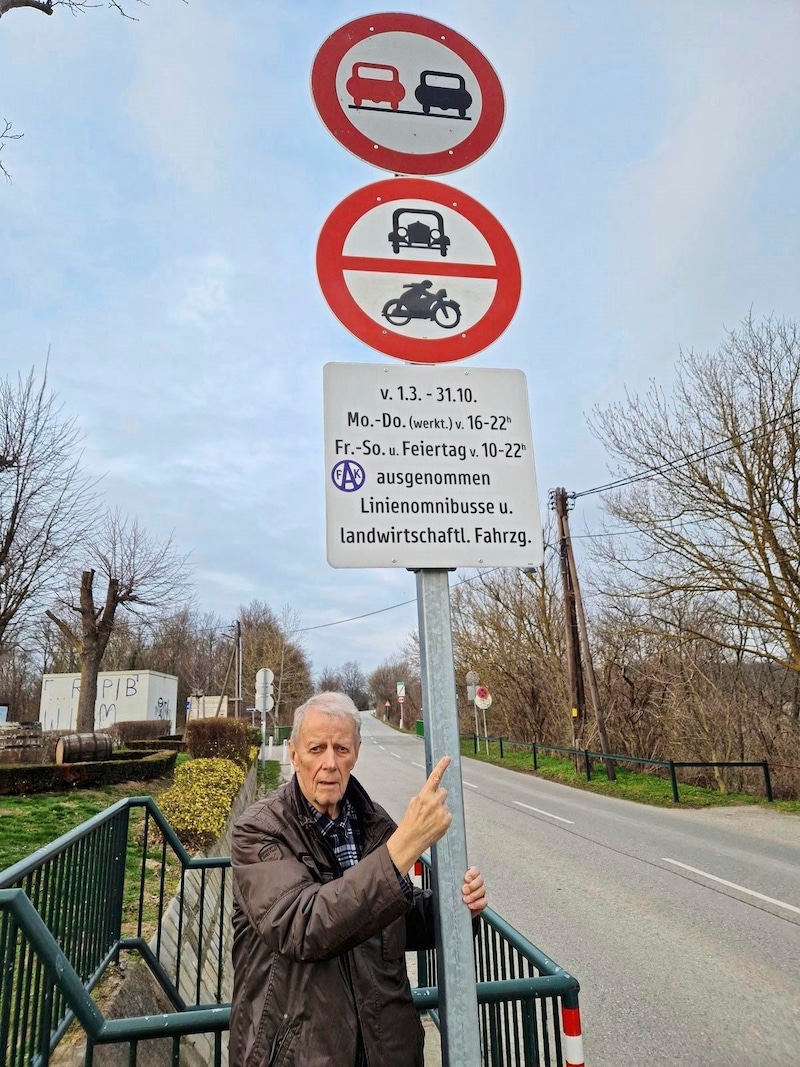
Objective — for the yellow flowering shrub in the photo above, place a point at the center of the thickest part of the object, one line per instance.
(198, 804)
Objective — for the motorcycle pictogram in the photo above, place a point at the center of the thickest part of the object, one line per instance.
(419, 303)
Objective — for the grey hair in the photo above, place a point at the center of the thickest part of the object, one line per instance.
(337, 704)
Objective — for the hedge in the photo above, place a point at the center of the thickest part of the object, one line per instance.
(219, 739)
(137, 730)
(35, 778)
(198, 804)
(165, 744)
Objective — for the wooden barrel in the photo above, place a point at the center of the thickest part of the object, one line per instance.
(81, 748)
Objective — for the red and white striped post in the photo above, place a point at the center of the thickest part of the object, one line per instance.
(573, 1038)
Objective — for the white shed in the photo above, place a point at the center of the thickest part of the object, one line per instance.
(121, 696)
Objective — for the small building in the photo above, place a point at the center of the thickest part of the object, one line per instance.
(121, 696)
(199, 706)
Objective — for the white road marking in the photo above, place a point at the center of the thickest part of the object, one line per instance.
(395, 755)
(549, 814)
(469, 784)
(420, 765)
(733, 885)
(381, 746)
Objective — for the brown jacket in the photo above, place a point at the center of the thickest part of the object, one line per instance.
(317, 952)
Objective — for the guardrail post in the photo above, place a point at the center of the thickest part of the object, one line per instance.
(674, 779)
(588, 764)
(533, 753)
(475, 744)
(767, 782)
(501, 747)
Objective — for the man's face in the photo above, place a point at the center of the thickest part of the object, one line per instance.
(326, 752)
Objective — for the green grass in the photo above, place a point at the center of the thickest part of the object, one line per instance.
(27, 823)
(630, 785)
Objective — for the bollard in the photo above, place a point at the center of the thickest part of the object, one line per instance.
(285, 752)
(269, 747)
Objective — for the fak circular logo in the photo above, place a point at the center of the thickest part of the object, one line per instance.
(348, 476)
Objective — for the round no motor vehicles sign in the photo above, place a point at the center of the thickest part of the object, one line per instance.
(418, 270)
(407, 94)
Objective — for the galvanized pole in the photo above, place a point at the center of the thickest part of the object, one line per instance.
(454, 939)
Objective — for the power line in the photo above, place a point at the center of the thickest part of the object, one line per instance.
(718, 449)
(391, 607)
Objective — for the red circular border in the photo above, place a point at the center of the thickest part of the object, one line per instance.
(330, 248)
(323, 89)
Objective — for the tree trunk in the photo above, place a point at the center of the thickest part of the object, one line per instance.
(90, 668)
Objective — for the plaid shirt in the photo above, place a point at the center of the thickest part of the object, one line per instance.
(343, 834)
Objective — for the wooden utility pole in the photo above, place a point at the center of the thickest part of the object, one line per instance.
(558, 500)
(594, 692)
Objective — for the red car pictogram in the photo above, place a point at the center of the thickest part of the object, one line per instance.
(377, 82)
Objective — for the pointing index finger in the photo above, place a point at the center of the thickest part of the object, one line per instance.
(436, 775)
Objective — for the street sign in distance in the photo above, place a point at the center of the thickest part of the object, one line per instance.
(407, 94)
(264, 699)
(401, 699)
(418, 270)
(483, 698)
(429, 467)
(401, 688)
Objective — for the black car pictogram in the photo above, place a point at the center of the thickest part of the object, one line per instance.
(446, 91)
(418, 234)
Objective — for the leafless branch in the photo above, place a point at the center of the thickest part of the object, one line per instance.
(7, 135)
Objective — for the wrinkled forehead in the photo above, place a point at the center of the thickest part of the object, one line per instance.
(321, 725)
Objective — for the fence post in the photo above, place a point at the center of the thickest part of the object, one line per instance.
(501, 748)
(475, 744)
(673, 778)
(533, 752)
(767, 782)
(588, 764)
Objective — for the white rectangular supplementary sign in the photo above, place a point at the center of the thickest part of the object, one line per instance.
(429, 466)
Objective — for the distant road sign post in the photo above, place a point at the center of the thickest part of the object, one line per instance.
(407, 94)
(418, 270)
(483, 700)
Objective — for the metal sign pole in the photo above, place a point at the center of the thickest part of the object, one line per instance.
(454, 939)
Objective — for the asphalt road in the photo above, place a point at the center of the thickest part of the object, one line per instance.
(683, 927)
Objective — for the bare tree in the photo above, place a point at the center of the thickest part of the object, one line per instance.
(140, 574)
(47, 502)
(508, 627)
(383, 686)
(269, 640)
(76, 7)
(710, 489)
(349, 679)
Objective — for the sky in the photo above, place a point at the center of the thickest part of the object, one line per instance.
(158, 240)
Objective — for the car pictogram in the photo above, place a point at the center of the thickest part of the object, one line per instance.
(415, 233)
(377, 82)
(448, 92)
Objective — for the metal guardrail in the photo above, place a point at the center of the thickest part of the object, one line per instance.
(527, 1005)
(69, 910)
(91, 893)
(587, 755)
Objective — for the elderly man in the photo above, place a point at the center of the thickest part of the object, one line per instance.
(324, 911)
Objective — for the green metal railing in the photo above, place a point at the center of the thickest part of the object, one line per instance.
(94, 892)
(588, 756)
(68, 911)
(521, 994)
